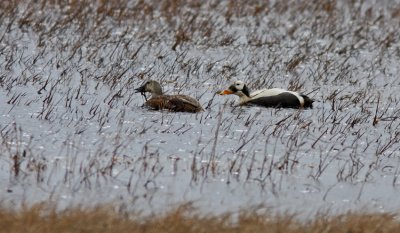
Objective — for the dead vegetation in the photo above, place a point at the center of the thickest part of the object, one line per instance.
(71, 122)
(42, 218)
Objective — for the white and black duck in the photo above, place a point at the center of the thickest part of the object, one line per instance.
(273, 98)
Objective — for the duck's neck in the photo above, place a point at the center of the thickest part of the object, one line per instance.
(157, 91)
(243, 98)
(155, 94)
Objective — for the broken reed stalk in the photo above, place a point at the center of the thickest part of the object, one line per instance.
(376, 120)
(211, 161)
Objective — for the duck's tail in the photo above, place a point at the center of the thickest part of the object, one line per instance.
(308, 103)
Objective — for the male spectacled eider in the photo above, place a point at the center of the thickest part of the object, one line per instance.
(274, 98)
(175, 103)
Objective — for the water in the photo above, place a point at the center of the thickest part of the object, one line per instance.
(73, 130)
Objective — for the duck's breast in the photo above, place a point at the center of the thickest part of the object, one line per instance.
(156, 103)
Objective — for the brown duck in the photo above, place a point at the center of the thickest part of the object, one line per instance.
(175, 103)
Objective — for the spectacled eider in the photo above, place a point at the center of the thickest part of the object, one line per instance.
(274, 98)
(175, 103)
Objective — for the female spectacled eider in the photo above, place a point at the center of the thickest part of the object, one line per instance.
(274, 98)
(175, 103)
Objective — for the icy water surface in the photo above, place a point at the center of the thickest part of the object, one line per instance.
(73, 130)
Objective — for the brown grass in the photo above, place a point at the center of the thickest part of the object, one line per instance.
(109, 44)
(43, 218)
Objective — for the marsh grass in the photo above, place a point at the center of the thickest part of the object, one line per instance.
(43, 218)
(68, 70)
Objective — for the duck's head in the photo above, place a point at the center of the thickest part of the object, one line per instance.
(237, 88)
(150, 86)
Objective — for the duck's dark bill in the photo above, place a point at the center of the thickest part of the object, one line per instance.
(225, 92)
(144, 95)
(140, 89)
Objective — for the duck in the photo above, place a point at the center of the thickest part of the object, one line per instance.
(271, 98)
(174, 103)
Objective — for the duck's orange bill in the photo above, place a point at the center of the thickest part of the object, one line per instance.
(225, 92)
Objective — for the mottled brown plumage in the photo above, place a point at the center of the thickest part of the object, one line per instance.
(175, 103)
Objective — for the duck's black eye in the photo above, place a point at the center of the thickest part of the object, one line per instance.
(237, 84)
